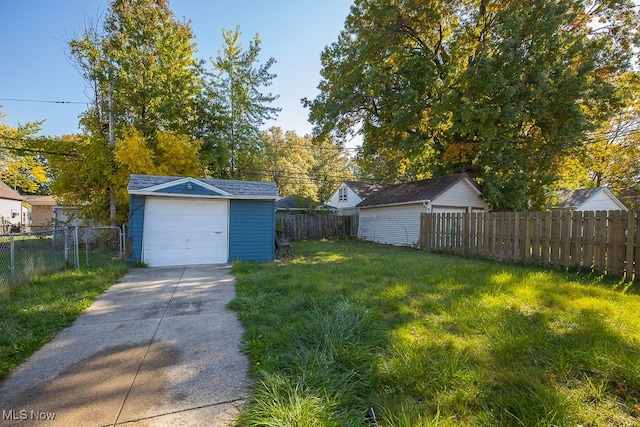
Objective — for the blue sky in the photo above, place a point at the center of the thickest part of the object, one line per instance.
(35, 64)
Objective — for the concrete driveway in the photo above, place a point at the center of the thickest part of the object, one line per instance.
(158, 348)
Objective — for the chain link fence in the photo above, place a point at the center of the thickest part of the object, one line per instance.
(26, 255)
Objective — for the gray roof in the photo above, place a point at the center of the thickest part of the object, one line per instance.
(235, 187)
(576, 198)
(364, 189)
(573, 198)
(414, 191)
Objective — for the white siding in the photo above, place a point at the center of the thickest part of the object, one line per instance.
(12, 211)
(352, 198)
(600, 202)
(461, 194)
(400, 224)
(396, 225)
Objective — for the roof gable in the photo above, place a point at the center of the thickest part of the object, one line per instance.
(416, 191)
(576, 198)
(187, 186)
(9, 193)
(200, 187)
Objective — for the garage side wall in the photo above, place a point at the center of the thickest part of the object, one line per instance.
(395, 225)
(252, 227)
(136, 227)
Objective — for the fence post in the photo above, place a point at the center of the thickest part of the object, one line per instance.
(628, 270)
(123, 241)
(77, 248)
(66, 243)
(12, 265)
(86, 246)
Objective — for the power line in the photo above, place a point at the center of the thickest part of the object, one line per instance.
(31, 150)
(44, 101)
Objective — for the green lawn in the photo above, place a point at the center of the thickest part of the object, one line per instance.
(31, 314)
(429, 339)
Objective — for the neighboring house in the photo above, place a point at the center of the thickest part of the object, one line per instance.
(300, 205)
(41, 211)
(46, 213)
(589, 199)
(12, 213)
(392, 215)
(350, 193)
(186, 221)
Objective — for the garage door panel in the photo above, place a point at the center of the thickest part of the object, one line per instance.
(191, 224)
(177, 240)
(185, 231)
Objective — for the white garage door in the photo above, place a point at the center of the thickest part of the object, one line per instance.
(185, 231)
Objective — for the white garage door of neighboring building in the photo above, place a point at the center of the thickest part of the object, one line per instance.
(185, 231)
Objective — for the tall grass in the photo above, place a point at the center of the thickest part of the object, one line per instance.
(435, 340)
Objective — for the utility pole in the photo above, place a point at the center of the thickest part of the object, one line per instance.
(112, 143)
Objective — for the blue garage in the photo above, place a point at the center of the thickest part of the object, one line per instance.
(187, 221)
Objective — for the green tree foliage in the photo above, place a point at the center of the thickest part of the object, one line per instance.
(498, 89)
(141, 68)
(147, 57)
(300, 165)
(78, 178)
(236, 106)
(83, 168)
(21, 166)
(611, 154)
(331, 166)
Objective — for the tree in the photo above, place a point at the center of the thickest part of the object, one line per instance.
(235, 101)
(85, 164)
(301, 166)
(173, 154)
(22, 167)
(331, 166)
(497, 89)
(611, 155)
(147, 59)
(83, 168)
(141, 68)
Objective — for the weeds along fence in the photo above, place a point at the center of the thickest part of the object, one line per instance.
(311, 227)
(26, 255)
(605, 241)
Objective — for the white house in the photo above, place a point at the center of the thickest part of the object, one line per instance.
(392, 215)
(12, 213)
(350, 193)
(589, 199)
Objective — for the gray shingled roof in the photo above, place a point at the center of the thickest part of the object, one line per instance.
(235, 187)
(415, 191)
(575, 198)
(364, 189)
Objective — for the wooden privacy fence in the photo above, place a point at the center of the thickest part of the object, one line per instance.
(601, 240)
(309, 226)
